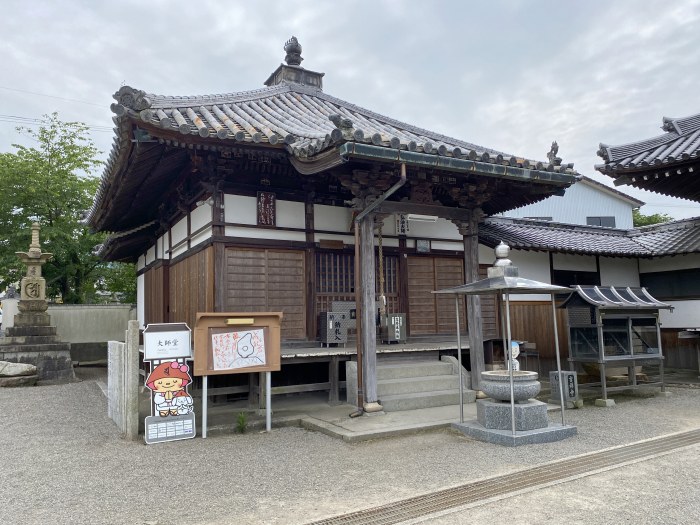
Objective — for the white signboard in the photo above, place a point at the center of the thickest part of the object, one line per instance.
(167, 341)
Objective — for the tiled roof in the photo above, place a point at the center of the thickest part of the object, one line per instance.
(667, 164)
(528, 234)
(680, 142)
(301, 117)
(672, 238)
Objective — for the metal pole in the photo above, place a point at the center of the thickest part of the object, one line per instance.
(503, 328)
(204, 407)
(661, 354)
(268, 401)
(459, 361)
(509, 355)
(556, 347)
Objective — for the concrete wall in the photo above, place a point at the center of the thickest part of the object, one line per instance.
(91, 323)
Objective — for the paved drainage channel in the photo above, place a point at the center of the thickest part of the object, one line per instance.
(470, 493)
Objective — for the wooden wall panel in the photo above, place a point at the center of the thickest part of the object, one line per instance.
(192, 287)
(430, 313)
(421, 302)
(259, 280)
(155, 305)
(489, 311)
(679, 353)
(532, 321)
(448, 273)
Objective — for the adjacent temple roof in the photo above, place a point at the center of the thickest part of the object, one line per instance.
(609, 297)
(671, 238)
(667, 164)
(292, 115)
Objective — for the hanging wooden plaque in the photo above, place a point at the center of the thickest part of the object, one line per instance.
(267, 213)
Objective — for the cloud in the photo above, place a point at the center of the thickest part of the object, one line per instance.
(509, 75)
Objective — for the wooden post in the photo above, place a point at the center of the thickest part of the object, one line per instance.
(310, 270)
(368, 313)
(470, 232)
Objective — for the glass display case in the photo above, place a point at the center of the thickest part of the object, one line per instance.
(614, 327)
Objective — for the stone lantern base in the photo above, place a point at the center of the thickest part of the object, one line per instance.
(32, 340)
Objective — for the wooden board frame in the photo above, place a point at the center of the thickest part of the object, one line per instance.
(268, 321)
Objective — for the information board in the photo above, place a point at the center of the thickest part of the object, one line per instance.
(231, 343)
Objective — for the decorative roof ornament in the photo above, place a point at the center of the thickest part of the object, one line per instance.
(552, 155)
(502, 266)
(293, 50)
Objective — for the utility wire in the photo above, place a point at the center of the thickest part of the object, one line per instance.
(27, 121)
(52, 96)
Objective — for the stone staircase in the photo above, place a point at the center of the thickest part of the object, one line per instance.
(410, 384)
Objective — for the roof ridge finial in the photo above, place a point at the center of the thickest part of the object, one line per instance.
(293, 49)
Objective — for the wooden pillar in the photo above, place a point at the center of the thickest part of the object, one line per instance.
(368, 314)
(470, 232)
(218, 226)
(310, 270)
(403, 280)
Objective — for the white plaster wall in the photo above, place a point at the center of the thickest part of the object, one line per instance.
(440, 229)
(446, 245)
(240, 209)
(290, 214)
(140, 299)
(150, 255)
(618, 271)
(200, 217)
(686, 314)
(580, 201)
(347, 239)
(332, 218)
(178, 250)
(264, 233)
(201, 237)
(179, 231)
(141, 262)
(565, 261)
(531, 265)
(666, 264)
(162, 247)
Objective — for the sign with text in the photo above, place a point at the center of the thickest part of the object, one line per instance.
(267, 212)
(234, 343)
(167, 341)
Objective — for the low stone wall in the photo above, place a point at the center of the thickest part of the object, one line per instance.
(88, 327)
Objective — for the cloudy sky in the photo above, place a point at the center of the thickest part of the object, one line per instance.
(512, 75)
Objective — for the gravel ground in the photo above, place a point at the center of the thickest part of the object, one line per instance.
(64, 462)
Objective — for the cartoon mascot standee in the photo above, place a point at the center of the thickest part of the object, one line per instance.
(169, 381)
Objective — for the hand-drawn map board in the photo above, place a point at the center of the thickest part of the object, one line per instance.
(236, 343)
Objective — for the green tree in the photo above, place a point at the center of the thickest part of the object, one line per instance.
(53, 183)
(639, 219)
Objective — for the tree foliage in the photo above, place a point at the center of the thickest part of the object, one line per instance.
(639, 219)
(53, 183)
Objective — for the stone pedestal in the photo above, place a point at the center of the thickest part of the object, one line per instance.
(493, 416)
(37, 344)
(529, 415)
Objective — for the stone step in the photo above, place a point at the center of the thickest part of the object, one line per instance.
(410, 385)
(16, 331)
(405, 369)
(418, 400)
(31, 340)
